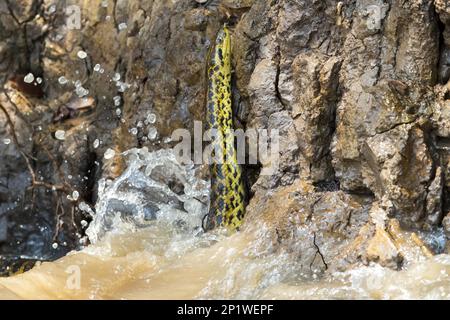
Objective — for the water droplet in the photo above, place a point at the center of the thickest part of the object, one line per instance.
(75, 195)
(55, 245)
(122, 26)
(122, 86)
(97, 67)
(39, 80)
(29, 78)
(152, 133)
(116, 77)
(60, 134)
(62, 80)
(96, 143)
(117, 101)
(109, 154)
(52, 9)
(151, 118)
(118, 112)
(83, 223)
(134, 131)
(81, 54)
(7, 141)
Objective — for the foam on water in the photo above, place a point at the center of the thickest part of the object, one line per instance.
(147, 242)
(154, 187)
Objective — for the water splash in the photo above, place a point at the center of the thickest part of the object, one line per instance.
(154, 187)
(147, 243)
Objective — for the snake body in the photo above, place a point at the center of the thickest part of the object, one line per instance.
(227, 206)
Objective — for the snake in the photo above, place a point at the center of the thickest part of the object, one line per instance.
(227, 204)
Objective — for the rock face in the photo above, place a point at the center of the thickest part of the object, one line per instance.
(357, 89)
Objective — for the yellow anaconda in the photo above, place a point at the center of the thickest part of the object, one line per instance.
(227, 189)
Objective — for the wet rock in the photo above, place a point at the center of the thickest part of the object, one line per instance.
(3, 229)
(441, 112)
(351, 87)
(196, 19)
(382, 249)
(368, 60)
(401, 168)
(383, 241)
(314, 112)
(446, 224)
(434, 199)
(443, 10)
(314, 226)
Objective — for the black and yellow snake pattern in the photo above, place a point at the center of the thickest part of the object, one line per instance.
(227, 206)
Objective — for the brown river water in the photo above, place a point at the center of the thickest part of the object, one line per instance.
(137, 254)
(145, 265)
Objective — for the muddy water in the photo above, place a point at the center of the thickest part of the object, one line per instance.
(147, 244)
(146, 265)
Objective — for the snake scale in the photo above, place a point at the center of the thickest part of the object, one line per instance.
(227, 206)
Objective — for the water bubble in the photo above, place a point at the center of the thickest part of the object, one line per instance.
(109, 154)
(122, 26)
(55, 245)
(81, 54)
(39, 80)
(117, 100)
(29, 78)
(6, 141)
(97, 67)
(134, 131)
(96, 143)
(116, 77)
(52, 9)
(151, 118)
(62, 80)
(75, 195)
(118, 112)
(81, 92)
(152, 133)
(60, 134)
(122, 86)
(83, 223)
